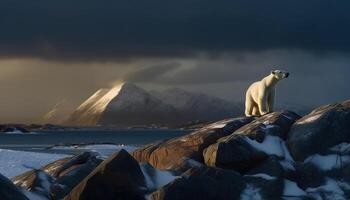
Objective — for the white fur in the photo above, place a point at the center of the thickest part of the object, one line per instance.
(260, 95)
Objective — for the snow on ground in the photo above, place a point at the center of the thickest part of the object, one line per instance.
(291, 189)
(331, 189)
(45, 181)
(158, 179)
(272, 145)
(103, 149)
(287, 164)
(263, 176)
(250, 193)
(18, 132)
(341, 148)
(13, 163)
(33, 196)
(328, 162)
(15, 131)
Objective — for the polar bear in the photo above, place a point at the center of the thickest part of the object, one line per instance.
(260, 95)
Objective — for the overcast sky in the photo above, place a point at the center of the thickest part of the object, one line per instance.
(54, 54)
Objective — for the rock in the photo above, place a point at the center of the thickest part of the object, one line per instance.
(143, 154)
(72, 176)
(42, 184)
(185, 164)
(156, 178)
(275, 124)
(8, 191)
(271, 166)
(245, 148)
(236, 154)
(66, 172)
(276, 167)
(166, 154)
(346, 173)
(262, 186)
(203, 183)
(118, 177)
(309, 175)
(323, 128)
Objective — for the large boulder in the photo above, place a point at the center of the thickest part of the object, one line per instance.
(8, 191)
(245, 148)
(203, 183)
(166, 154)
(323, 128)
(118, 177)
(144, 153)
(66, 173)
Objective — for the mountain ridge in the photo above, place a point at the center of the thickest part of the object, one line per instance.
(129, 105)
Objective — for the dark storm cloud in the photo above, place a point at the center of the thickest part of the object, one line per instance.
(92, 29)
(151, 73)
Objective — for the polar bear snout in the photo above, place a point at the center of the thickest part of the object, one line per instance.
(279, 74)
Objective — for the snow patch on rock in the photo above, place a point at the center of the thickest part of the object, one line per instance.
(331, 190)
(33, 196)
(272, 145)
(291, 189)
(328, 162)
(158, 179)
(341, 148)
(309, 119)
(263, 176)
(250, 193)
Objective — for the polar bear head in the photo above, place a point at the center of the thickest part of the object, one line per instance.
(279, 74)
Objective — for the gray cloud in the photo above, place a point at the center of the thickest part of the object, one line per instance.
(117, 30)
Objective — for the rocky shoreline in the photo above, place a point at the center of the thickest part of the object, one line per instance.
(280, 155)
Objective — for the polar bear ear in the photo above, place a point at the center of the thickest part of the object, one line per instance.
(273, 72)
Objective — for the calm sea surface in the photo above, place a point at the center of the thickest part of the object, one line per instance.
(41, 140)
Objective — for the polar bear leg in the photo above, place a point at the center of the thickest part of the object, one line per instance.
(271, 101)
(248, 108)
(262, 103)
(256, 110)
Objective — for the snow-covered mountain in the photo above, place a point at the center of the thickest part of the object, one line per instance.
(90, 111)
(199, 106)
(129, 105)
